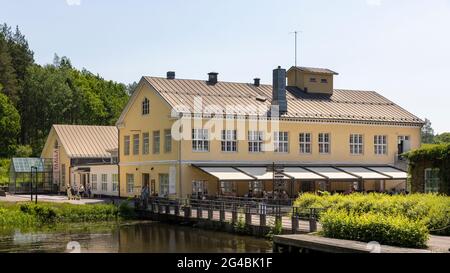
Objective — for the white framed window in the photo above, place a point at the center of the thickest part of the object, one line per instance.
(115, 182)
(305, 143)
(130, 183)
(200, 140)
(145, 143)
(136, 144)
(255, 141)
(156, 142)
(380, 145)
(229, 141)
(226, 187)
(281, 142)
(167, 141)
(324, 143)
(403, 138)
(164, 184)
(356, 144)
(104, 182)
(199, 188)
(145, 107)
(406, 144)
(432, 180)
(94, 181)
(126, 145)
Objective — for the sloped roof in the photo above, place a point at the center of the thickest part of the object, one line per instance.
(82, 141)
(342, 105)
(315, 70)
(24, 165)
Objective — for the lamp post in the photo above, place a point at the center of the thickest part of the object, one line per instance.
(35, 186)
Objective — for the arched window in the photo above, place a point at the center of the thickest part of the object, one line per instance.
(145, 107)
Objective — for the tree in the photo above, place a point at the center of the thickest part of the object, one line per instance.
(131, 87)
(427, 133)
(9, 126)
(7, 73)
(442, 138)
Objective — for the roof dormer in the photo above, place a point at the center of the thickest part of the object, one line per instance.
(312, 80)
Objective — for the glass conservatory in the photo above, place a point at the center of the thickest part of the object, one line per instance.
(28, 174)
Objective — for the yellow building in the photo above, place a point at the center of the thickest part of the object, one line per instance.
(190, 137)
(83, 155)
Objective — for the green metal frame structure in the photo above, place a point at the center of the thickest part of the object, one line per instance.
(26, 172)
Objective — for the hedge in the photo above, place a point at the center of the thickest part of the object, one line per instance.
(432, 209)
(385, 229)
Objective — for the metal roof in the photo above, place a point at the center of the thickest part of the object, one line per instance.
(315, 70)
(82, 141)
(342, 105)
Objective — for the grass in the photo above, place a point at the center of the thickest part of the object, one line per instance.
(28, 216)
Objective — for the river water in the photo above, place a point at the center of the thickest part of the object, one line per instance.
(136, 237)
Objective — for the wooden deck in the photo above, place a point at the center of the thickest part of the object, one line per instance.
(293, 243)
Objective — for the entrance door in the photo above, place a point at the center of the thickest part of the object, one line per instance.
(146, 179)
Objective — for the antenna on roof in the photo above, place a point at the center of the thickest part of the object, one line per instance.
(295, 35)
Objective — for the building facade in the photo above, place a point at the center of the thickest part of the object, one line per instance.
(207, 137)
(84, 155)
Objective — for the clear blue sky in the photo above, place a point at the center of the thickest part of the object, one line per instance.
(400, 48)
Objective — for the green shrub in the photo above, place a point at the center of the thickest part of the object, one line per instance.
(126, 211)
(432, 209)
(385, 229)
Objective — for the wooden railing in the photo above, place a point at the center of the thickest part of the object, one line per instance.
(185, 208)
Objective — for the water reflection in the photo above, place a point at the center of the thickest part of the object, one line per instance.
(149, 237)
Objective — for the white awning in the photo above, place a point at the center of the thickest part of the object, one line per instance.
(392, 172)
(261, 173)
(364, 173)
(332, 173)
(302, 174)
(226, 173)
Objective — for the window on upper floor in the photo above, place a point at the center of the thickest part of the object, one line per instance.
(324, 81)
(229, 141)
(281, 142)
(167, 141)
(356, 144)
(312, 80)
(136, 144)
(126, 145)
(380, 145)
(145, 143)
(305, 143)
(200, 140)
(156, 142)
(145, 107)
(255, 141)
(324, 143)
